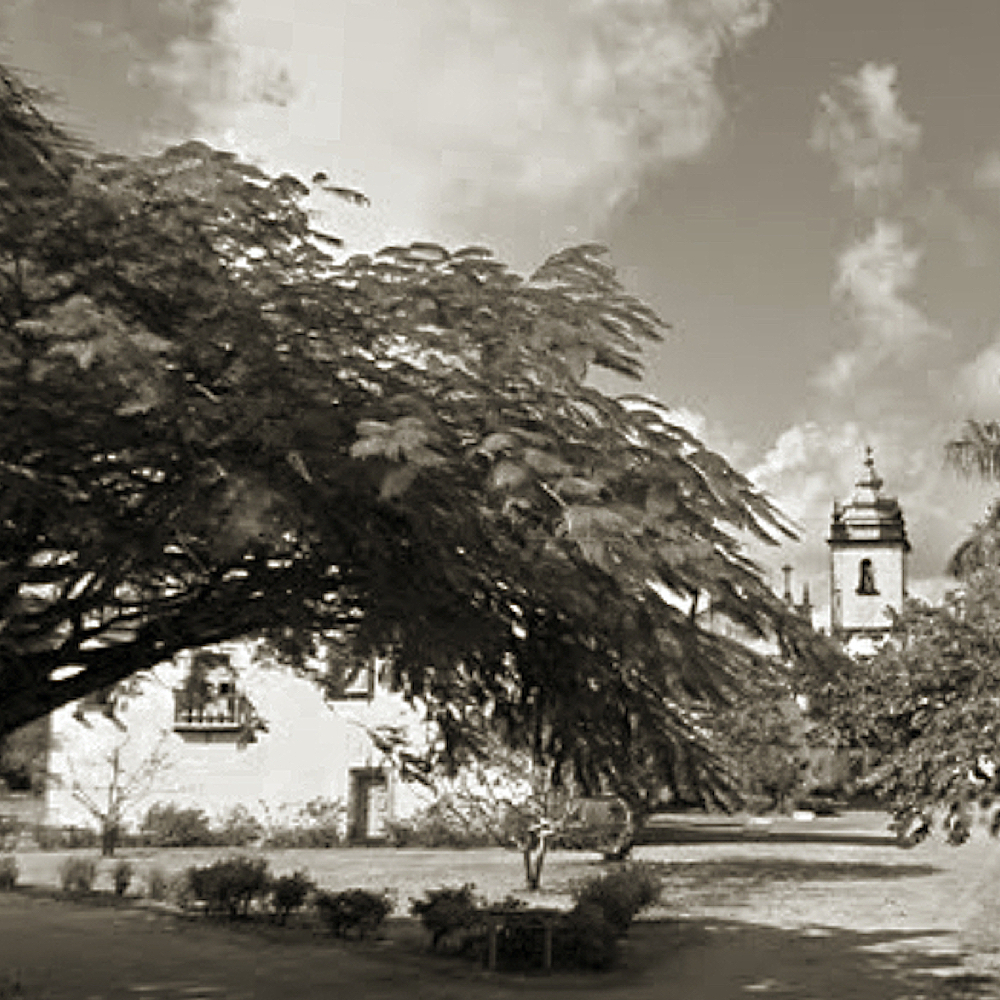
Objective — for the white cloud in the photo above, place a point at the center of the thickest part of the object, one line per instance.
(868, 137)
(813, 463)
(987, 174)
(932, 589)
(465, 120)
(805, 470)
(809, 466)
(864, 130)
(977, 384)
(873, 276)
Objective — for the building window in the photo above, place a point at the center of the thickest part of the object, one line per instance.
(355, 681)
(104, 701)
(866, 578)
(99, 700)
(210, 699)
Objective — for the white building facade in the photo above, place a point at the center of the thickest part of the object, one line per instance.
(256, 736)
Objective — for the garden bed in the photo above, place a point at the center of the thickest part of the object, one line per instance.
(825, 919)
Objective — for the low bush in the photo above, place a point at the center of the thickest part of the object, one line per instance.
(598, 823)
(289, 893)
(447, 911)
(169, 825)
(10, 830)
(584, 939)
(591, 838)
(178, 890)
(356, 911)
(77, 874)
(437, 825)
(66, 838)
(238, 828)
(620, 894)
(157, 884)
(319, 824)
(229, 886)
(8, 872)
(121, 877)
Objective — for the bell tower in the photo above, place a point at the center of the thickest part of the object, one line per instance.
(868, 550)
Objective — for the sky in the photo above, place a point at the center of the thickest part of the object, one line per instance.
(807, 191)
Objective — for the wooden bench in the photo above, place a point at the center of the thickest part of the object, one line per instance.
(542, 919)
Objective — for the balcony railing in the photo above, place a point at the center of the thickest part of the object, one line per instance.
(225, 713)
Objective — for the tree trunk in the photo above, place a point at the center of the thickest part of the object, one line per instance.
(109, 839)
(535, 845)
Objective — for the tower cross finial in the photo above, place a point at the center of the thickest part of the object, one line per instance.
(869, 481)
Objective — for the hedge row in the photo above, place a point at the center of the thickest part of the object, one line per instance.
(318, 824)
(584, 937)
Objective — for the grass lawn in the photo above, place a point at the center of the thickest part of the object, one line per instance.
(822, 910)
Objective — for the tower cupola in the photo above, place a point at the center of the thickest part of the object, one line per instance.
(868, 552)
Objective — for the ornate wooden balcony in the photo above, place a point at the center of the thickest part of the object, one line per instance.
(229, 712)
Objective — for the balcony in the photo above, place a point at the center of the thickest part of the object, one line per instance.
(227, 712)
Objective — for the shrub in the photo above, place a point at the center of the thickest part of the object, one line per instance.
(319, 824)
(65, 838)
(581, 939)
(157, 885)
(519, 942)
(121, 876)
(238, 828)
(169, 825)
(438, 826)
(584, 939)
(10, 829)
(446, 911)
(77, 874)
(620, 894)
(597, 823)
(289, 892)
(354, 910)
(178, 889)
(229, 886)
(8, 872)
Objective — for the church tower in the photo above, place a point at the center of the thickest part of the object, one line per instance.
(868, 549)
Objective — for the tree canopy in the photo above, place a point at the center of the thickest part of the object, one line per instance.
(927, 706)
(212, 428)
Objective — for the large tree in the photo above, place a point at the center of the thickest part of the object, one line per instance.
(925, 708)
(211, 428)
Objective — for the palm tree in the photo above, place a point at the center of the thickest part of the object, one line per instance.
(977, 453)
(977, 450)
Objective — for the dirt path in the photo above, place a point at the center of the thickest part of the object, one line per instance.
(813, 918)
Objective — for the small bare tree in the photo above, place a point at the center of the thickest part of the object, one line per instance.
(512, 800)
(115, 783)
(504, 795)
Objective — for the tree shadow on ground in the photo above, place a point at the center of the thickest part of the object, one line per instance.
(709, 959)
(728, 832)
(719, 877)
(72, 952)
(771, 870)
